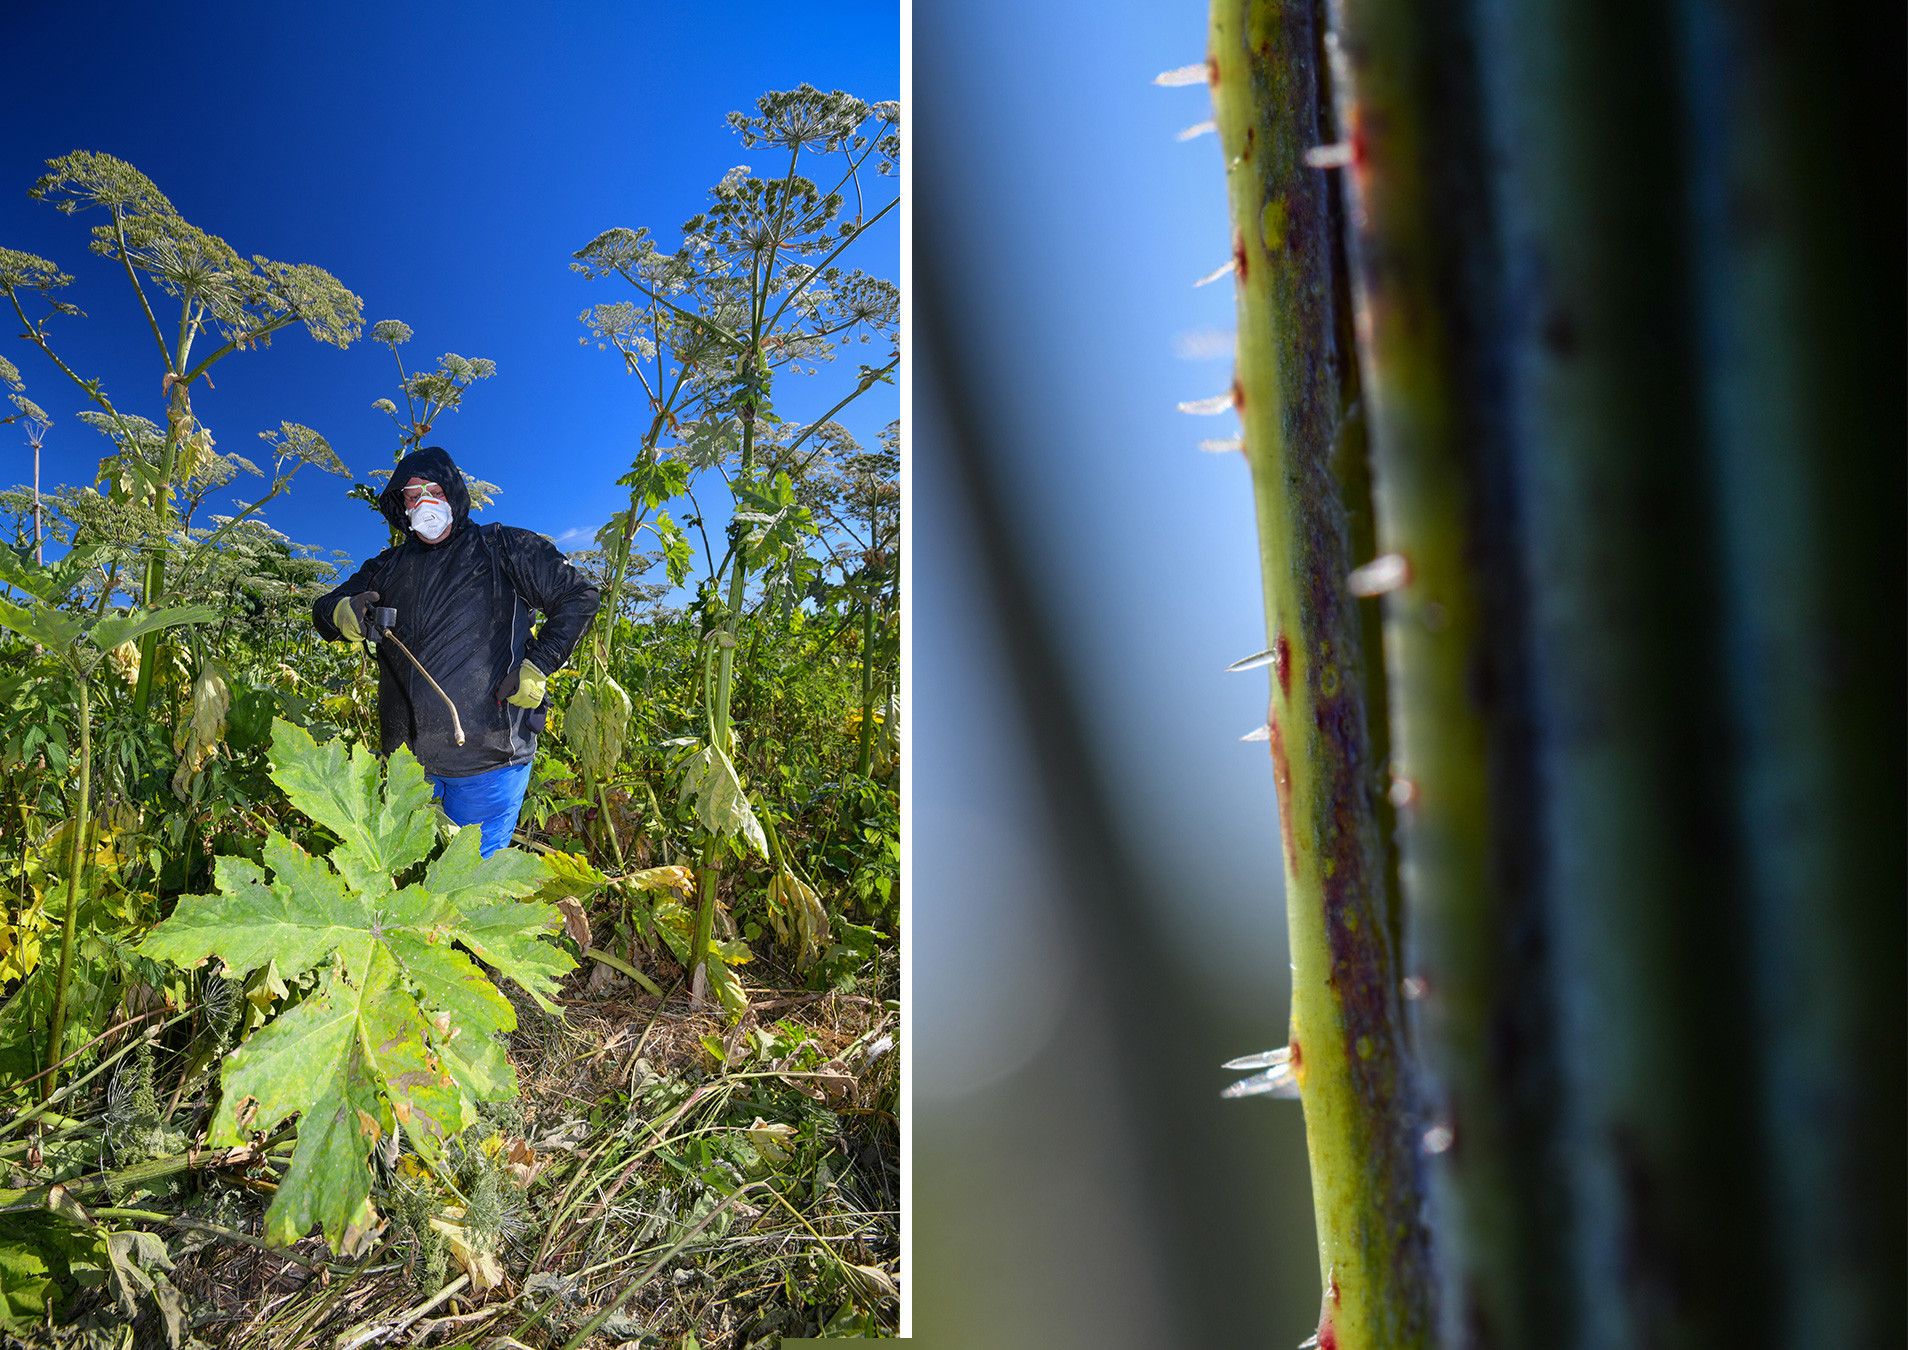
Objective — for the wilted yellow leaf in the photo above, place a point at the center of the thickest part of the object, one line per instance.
(657, 878)
(485, 1270)
(771, 1140)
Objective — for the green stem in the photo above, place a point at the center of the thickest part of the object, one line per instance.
(125, 260)
(719, 710)
(617, 963)
(1496, 1267)
(176, 419)
(1347, 1048)
(865, 754)
(609, 828)
(28, 1199)
(76, 864)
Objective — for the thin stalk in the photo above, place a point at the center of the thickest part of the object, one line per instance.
(635, 1286)
(81, 819)
(1289, 392)
(191, 377)
(203, 549)
(38, 559)
(316, 1316)
(617, 963)
(28, 1199)
(860, 389)
(838, 250)
(609, 826)
(116, 1027)
(44, 1110)
(866, 752)
(719, 722)
(125, 259)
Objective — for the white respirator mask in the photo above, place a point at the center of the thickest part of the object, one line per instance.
(430, 518)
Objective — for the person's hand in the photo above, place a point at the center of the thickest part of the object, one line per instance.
(348, 616)
(523, 687)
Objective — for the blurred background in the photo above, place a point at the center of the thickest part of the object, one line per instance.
(1098, 917)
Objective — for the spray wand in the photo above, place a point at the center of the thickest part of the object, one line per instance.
(381, 622)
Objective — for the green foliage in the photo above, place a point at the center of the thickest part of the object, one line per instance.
(401, 1028)
(29, 1013)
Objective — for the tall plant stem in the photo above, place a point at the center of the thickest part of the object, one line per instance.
(178, 415)
(38, 558)
(1290, 393)
(76, 863)
(719, 730)
(865, 752)
(609, 826)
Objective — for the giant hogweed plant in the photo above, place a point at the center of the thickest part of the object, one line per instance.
(428, 395)
(400, 1028)
(219, 295)
(76, 641)
(753, 291)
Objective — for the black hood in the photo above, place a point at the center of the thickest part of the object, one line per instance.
(433, 465)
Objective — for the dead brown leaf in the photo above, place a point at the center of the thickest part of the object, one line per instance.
(575, 922)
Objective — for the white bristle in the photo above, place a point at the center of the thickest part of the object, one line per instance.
(1208, 407)
(1226, 269)
(1199, 74)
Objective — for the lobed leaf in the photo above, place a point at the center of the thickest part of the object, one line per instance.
(381, 833)
(42, 624)
(299, 919)
(504, 935)
(468, 881)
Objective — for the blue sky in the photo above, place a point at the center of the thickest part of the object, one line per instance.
(443, 162)
(1083, 223)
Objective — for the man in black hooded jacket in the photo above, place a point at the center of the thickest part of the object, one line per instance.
(464, 597)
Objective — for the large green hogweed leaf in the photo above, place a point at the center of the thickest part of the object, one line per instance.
(381, 833)
(403, 1027)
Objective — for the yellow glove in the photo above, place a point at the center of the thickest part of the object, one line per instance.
(524, 688)
(348, 615)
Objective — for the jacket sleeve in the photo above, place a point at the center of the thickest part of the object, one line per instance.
(549, 585)
(366, 578)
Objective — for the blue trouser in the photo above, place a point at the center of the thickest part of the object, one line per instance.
(489, 799)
